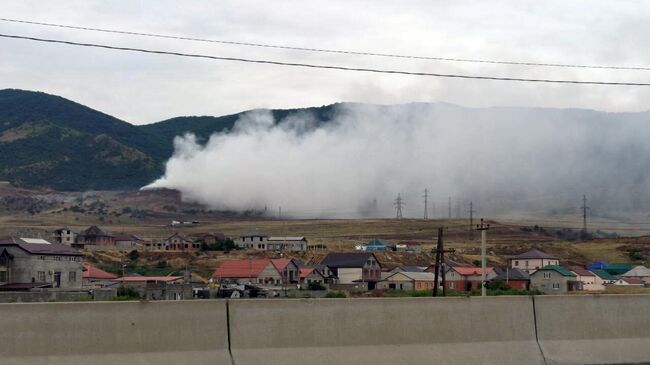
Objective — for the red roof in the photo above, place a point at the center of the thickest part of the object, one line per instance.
(581, 271)
(136, 279)
(280, 264)
(633, 281)
(469, 271)
(305, 271)
(92, 272)
(241, 268)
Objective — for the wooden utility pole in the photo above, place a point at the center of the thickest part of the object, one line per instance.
(483, 228)
(439, 265)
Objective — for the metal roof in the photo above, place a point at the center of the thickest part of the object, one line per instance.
(38, 246)
(534, 254)
(347, 259)
(561, 270)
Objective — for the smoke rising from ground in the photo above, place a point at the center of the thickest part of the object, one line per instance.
(502, 159)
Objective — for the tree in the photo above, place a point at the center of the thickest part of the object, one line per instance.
(133, 255)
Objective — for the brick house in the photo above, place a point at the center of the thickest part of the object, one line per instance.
(532, 260)
(462, 278)
(404, 280)
(310, 275)
(253, 241)
(590, 281)
(288, 269)
(258, 271)
(94, 235)
(354, 267)
(179, 242)
(554, 279)
(35, 262)
(514, 278)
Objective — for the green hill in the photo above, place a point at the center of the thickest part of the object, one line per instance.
(50, 141)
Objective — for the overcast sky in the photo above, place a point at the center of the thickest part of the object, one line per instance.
(142, 88)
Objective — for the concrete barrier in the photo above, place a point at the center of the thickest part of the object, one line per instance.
(604, 329)
(495, 330)
(160, 333)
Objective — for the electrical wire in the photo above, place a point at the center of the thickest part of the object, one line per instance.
(324, 50)
(329, 67)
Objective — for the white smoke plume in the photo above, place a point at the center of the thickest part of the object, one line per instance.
(356, 163)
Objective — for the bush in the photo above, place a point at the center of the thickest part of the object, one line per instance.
(336, 294)
(133, 255)
(124, 293)
(315, 286)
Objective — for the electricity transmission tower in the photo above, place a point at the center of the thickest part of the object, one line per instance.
(471, 212)
(584, 208)
(399, 202)
(426, 204)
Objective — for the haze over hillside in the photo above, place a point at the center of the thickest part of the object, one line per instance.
(338, 160)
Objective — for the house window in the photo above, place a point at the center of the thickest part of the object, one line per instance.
(452, 285)
(516, 263)
(72, 276)
(526, 263)
(3, 276)
(41, 276)
(556, 285)
(547, 275)
(41, 257)
(57, 258)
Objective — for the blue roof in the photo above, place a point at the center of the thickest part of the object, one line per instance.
(377, 242)
(597, 265)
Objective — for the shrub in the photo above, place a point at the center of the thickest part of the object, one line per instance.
(336, 294)
(133, 255)
(315, 286)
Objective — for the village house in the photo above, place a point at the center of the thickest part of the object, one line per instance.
(461, 278)
(418, 281)
(514, 278)
(378, 245)
(286, 244)
(210, 238)
(533, 260)
(94, 235)
(629, 282)
(409, 247)
(253, 241)
(328, 274)
(65, 235)
(34, 262)
(606, 277)
(94, 277)
(288, 269)
(354, 267)
(157, 287)
(590, 281)
(257, 271)
(310, 275)
(179, 242)
(554, 279)
(638, 272)
(128, 241)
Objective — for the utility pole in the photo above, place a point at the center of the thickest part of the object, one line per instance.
(426, 204)
(483, 228)
(471, 220)
(584, 213)
(399, 202)
(449, 207)
(280, 212)
(439, 265)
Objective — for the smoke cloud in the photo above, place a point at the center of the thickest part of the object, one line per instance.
(355, 164)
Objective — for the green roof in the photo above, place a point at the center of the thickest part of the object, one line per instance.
(603, 274)
(619, 265)
(562, 270)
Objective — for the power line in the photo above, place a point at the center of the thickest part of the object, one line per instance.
(329, 67)
(325, 50)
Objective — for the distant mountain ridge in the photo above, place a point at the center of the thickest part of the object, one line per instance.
(49, 141)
